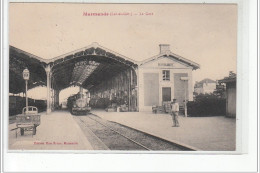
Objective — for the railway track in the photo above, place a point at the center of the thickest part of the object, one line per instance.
(114, 136)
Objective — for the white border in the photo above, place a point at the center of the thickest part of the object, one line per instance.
(246, 105)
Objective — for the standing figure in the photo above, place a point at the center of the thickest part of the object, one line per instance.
(175, 113)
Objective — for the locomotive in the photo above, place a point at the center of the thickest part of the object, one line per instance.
(78, 104)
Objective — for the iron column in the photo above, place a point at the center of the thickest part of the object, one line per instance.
(48, 74)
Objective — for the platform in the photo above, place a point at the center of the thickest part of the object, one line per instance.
(203, 133)
(57, 131)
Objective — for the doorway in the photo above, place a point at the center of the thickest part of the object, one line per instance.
(166, 94)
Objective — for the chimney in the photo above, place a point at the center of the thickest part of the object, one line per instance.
(164, 48)
(232, 74)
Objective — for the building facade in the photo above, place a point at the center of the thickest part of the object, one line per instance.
(230, 94)
(206, 86)
(164, 77)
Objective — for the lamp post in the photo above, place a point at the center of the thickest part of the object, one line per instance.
(26, 75)
(185, 103)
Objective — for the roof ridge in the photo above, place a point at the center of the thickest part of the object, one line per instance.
(168, 53)
(95, 45)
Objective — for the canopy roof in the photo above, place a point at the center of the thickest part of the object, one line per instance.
(18, 61)
(84, 67)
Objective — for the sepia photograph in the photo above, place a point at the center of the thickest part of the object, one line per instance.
(122, 77)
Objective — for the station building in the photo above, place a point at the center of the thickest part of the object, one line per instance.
(107, 75)
(231, 90)
(205, 86)
(161, 79)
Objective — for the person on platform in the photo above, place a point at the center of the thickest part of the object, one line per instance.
(175, 113)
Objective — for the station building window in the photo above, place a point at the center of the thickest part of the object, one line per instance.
(166, 75)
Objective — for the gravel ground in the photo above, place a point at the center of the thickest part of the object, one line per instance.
(115, 141)
(111, 139)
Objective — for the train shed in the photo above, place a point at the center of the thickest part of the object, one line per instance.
(105, 74)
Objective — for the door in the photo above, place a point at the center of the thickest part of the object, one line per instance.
(166, 94)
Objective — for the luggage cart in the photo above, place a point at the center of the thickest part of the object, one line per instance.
(28, 120)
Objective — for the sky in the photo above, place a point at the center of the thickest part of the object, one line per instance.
(205, 34)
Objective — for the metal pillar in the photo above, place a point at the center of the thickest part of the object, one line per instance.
(54, 99)
(52, 94)
(48, 74)
(57, 98)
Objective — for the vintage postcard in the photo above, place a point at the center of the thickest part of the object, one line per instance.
(123, 77)
(128, 86)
